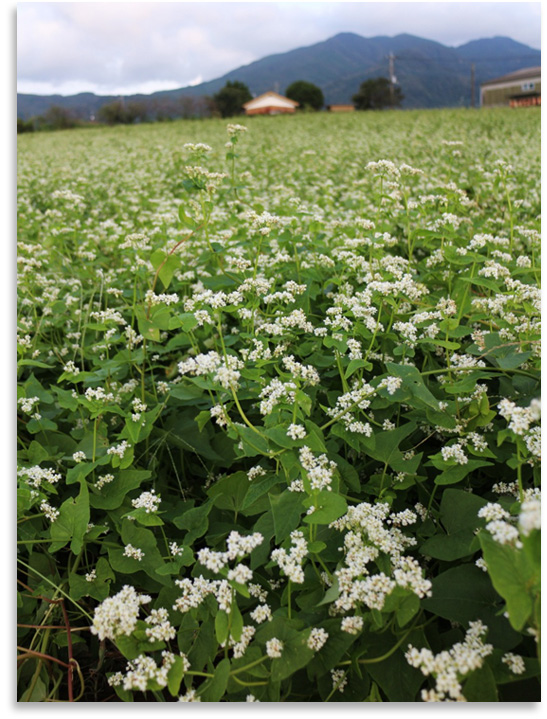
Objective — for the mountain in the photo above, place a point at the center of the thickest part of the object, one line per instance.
(430, 74)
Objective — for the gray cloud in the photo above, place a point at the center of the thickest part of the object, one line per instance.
(130, 47)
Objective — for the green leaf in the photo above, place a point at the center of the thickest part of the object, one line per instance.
(214, 689)
(333, 651)
(386, 449)
(174, 676)
(99, 588)
(481, 686)
(229, 492)
(414, 383)
(459, 516)
(195, 521)
(354, 365)
(463, 594)
(286, 511)
(71, 524)
(455, 474)
(328, 507)
(514, 577)
(258, 488)
(111, 495)
(222, 626)
(143, 539)
(236, 621)
(396, 678)
(252, 442)
(295, 653)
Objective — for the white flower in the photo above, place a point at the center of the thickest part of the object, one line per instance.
(296, 431)
(514, 662)
(147, 501)
(133, 552)
(274, 648)
(117, 615)
(352, 625)
(318, 637)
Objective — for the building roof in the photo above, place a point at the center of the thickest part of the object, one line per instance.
(516, 76)
(269, 99)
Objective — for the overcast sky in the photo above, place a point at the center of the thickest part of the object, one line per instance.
(132, 47)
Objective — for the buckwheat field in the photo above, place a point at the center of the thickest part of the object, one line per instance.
(278, 410)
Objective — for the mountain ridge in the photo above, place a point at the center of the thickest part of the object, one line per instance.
(430, 74)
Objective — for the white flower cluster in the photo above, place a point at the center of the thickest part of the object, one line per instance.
(36, 475)
(357, 398)
(152, 299)
(520, 418)
(318, 637)
(103, 479)
(308, 373)
(27, 405)
(237, 545)
(226, 369)
(143, 669)
(454, 452)
(449, 667)
(190, 696)
(275, 392)
(296, 431)
(117, 615)
(274, 648)
(291, 562)
(352, 625)
(50, 512)
(514, 662)
(530, 514)
(160, 629)
(133, 552)
(391, 384)
(370, 531)
(70, 368)
(148, 501)
(255, 472)
(135, 241)
(239, 648)
(319, 470)
(235, 129)
(262, 613)
(119, 449)
(339, 679)
(138, 408)
(502, 526)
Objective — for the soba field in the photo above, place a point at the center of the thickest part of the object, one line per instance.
(278, 410)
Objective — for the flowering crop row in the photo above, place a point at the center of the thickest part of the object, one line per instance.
(278, 410)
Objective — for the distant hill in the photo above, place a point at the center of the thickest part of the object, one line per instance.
(430, 74)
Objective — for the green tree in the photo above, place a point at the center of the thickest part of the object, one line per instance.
(230, 99)
(58, 118)
(375, 94)
(306, 94)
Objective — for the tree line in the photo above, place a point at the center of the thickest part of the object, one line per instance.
(373, 94)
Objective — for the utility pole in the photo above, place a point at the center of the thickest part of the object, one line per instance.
(472, 84)
(392, 79)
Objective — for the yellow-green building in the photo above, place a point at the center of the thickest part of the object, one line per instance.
(517, 89)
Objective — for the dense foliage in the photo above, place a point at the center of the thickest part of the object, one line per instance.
(308, 95)
(230, 99)
(377, 94)
(278, 410)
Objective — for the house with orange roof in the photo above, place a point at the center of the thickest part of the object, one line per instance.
(270, 103)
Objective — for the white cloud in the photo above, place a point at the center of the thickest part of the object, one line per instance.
(128, 47)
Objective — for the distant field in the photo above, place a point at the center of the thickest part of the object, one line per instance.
(278, 415)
